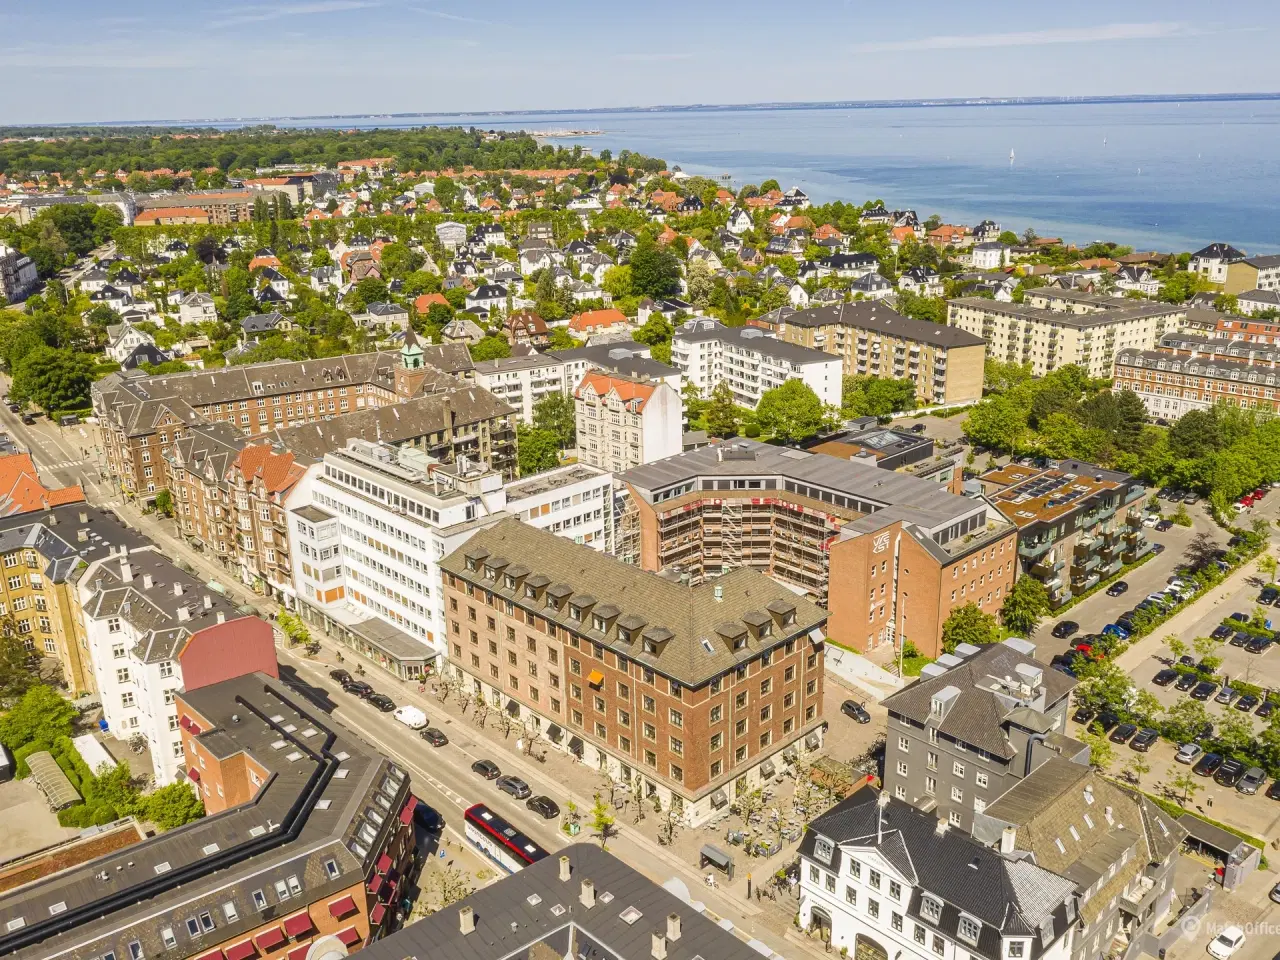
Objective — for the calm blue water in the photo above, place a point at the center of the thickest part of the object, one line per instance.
(1168, 176)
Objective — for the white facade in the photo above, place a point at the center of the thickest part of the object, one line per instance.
(523, 381)
(989, 256)
(751, 361)
(574, 502)
(196, 308)
(624, 423)
(451, 234)
(125, 338)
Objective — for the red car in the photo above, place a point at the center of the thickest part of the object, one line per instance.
(1259, 493)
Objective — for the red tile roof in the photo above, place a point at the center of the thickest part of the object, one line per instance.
(595, 319)
(627, 390)
(22, 492)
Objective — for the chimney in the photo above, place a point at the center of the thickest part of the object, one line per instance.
(588, 896)
(1007, 839)
(146, 581)
(564, 869)
(208, 602)
(222, 617)
(719, 593)
(659, 951)
(183, 614)
(941, 828)
(177, 588)
(466, 920)
(84, 517)
(126, 571)
(673, 926)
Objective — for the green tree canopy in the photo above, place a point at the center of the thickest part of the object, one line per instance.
(1025, 605)
(655, 271)
(492, 347)
(555, 414)
(792, 411)
(53, 379)
(41, 715)
(968, 624)
(538, 450)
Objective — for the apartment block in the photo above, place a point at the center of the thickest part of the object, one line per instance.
(890, 554)
(18, 276)
(1194, 373)
(370, 523)
(1069, 328)
(308, 838)
(750, 361)
(872, 339)
(690, 694)
(899, 450)
(1255, 273)
(622, 423)
(1265, 332)
(1077, 523)
(222, 206)
(155, 631)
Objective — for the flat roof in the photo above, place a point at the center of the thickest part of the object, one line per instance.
(554, 480)
(1029, 495)
(1101, 318)
(869, 315)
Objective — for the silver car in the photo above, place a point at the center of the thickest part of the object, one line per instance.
(1188, 753)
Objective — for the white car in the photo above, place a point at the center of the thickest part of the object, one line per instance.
(1226, 943)
(1151, 520)
(1188, 753)
(411, 717)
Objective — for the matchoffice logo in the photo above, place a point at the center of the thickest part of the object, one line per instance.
(1194, 926)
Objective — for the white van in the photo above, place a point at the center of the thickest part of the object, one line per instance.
(411, 717)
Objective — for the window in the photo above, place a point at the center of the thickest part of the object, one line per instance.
(981, 779)
(958, 769)
(715, 714)
(295, 887)
(677, 719)
(902, 768)
(919, 934)
(873, 907)
(895, 890)
(969, 929)
(765, 686)
(677, 747)
(122, 675)
(648, 704)
(117, 650)
(716, 767)
(135, 950)
(822, 849)
(1017, 949)
(873, 878)
(740, 701)
(229, 911)
(259, 900)
(939, 945)
(855, 869)
(677, 774)
(930, 785)
(170, 941)
(830, 883)
(814, 874)
(930, 909)
(851, 895)
(904, 744)
(206, 922)
(650, 732)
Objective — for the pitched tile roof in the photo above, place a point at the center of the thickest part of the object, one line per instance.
(22, 492)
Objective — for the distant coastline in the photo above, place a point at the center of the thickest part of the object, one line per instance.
(932, 102)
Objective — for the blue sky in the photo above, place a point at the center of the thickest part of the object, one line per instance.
(83, 60)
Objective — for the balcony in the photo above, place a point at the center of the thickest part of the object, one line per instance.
(1084, 583)
(1137, 900)
(1111, 568)
(1034, 548)
(1047, 567)
(1137, 551)
(1092, 563)
(1087, 546)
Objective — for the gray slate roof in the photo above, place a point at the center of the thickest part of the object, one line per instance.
(878, 318)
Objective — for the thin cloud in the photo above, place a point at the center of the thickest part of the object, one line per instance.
(259, 14)
(653, 57)
(1159, 30)
(454, 17)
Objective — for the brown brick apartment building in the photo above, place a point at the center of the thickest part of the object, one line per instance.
(693, 694)
(307, 841)
(219, 206)
(872, 339)
(822, 524)
(1188, 372)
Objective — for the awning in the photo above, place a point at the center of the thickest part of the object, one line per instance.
(384, 863)
(375, 884)
(812, 741)
(716, 855)
(299, 953)
(242, 951)
(1214, 837)
(185, 723)
(719, 799)
(298, 925)
(790, 753)
(350, 936)
(342, 907)
(513, 708)
(377, 913)
(269, 939)
(410, 805)
(575, 745)
(554, 733)
(595, 678)
(766, 769)
(392, 642)
(193, 774)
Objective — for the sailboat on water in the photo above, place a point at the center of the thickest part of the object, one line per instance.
(1011, 158)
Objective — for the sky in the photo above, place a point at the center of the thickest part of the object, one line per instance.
(64, 61)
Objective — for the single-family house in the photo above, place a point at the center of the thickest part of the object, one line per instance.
(123, 338)
(989, 255)
(1141, 279)
(260, 323)
(598, 321)
(872, 286)
(922, 281)
(451, 234)
(488, 297)
(197, 308)
(740, 222)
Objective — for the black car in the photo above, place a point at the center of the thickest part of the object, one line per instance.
(1164, 677)
(1143, 741)
(487, 769)
(1117, 588)
(1126, 621)
(28, 419)
(1164, 525)
(917, 428)
(1187, 661)
(1204, 733)
(427, 817)
(1106, 720)
(1268, 595)
(358, 687)
(1273, 791)
(1239, 617)
(544, 807)
(1257, 645)
(1246, 703)
(1221, 632)
(381, 701)
(855, 710)
(1204, 690)
(1065, 629)
(14, 408)
(1157, 548)
(1241, 639)
(1082, 715)
(1123, 732)
(513, 785)
(1186, 682)
(340, 675)
(1207, 765)
(1228, 773)
(1268, 707)
(434, 737)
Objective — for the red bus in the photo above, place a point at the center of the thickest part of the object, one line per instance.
(500, 841)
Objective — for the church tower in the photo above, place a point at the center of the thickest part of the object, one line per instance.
(412, 370)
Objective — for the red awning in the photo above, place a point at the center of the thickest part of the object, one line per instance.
(350, 936)
(185, 723)
(390, 892)
(298, 953)
(298, 925)
(341, 908)
(384, 863)
(193, 774)
(213, 955)
(195, 731)
(242, 951)
(377, 913)
(375, 884)
(269, 939)
(406, 815)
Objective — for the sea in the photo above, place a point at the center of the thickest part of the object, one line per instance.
(1151, 175)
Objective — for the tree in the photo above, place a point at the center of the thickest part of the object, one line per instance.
(398, 260)
(721, 415)
(15, 677)
(555, 414)
(491, 347)
(173, 805)
(41, 715)
(602, 820)
(999, 423)
(617, 282)
(561, 339)
(1181, 781)
(53, 379)
(537, 450)
(1177, 647)
(1101, 753)
(792, 411)
(164, 503)
(293, 628)
(1025, 605)
(655, 271)
(968, 624)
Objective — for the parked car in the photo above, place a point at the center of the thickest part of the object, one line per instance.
(917, 428)
(544, 807)
(1268, 595)
(381, 701)
(1247, 703)
(856, 711)
(427, 817)
(1268, 707)
(359, 688)
(1228, 773)
(1226, 943)
(1082, 715)
(1258, 645)
(1239, 617)
(14, 408)
(1151, 519)
(1116, 630)
(1186, 681)
(1065, 629)
(1187, 660)
(1191, 500)
(1143, 741)
(1273, 791)
(340, 675)
(1164, 525)
(1117, 588)
(1188, 753)
(68, 420)
(1253, 779)
(487, 769)
(1164, 677)
(1204, 690)
(28, 419)
(1106, 720)
(1274, 895)
(434, 737)
(1225, 695)
(1157, 549)
(1123, 732)
(1240, 639)
(411, 717)
(1221, 632)
(514, 786)
(1207, 765)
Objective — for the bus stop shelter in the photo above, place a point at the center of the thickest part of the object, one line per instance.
(717, 858)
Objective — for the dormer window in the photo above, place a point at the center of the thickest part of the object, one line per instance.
(789, 619)
(600, 624)
(531, 592)
(624, 635)
(471, 564)
(575, 613)
(650, 646)
(488, 572)
(766, 630)
(509, 582)
(969, 929)
(930, 909)
(822, 849)
(1017, 949)
(936, 708)
(739, 643)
